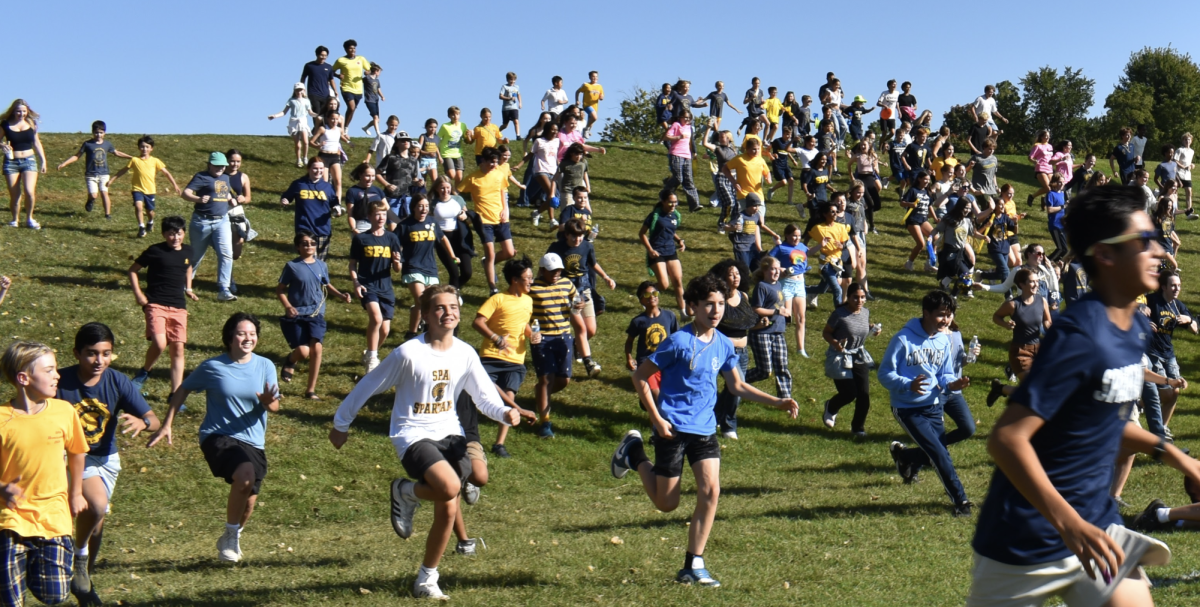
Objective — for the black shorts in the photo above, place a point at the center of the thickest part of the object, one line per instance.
(669, 453)
(330, 159)
(1186, 183)
(554, 356)
(373, 108)
(423, 454)
(1013, 241)
(888, 123)
(302, 330)
(387, 307)
(505, 374)
(498, 232)
(224, 454)
(714, 110)
(349, 97)
(662, 259)
(319, 104)
(510, 115)
(468, 416)
(916, 220)
(779, 173)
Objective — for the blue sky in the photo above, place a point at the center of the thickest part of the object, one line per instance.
(185, 68)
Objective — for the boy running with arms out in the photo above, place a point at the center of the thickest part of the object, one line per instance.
(168, 287)
(95, 152)
(683, 419)
(144, 169)
(428, 374)
(1048, 523)
(589, 95)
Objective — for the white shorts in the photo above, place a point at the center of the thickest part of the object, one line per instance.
(107, 468)
(995, 584)
(297, 126)
(96, 184)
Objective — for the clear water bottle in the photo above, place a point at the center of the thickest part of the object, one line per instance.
(535, 327)
(877, 328)
(969, 357)
(594, 232)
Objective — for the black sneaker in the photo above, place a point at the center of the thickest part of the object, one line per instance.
(995, 393)
(1148, 519)
(500, 451)
(592, 367)
(963, 509)
(141, 232)
(895, 449)
(1029, 200)
(91, 204)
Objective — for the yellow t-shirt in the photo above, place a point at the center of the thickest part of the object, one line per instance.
(749, 173)
(487, 193)
(838, 233)
(352, 73)
(507, 170)
(32, 448)
(143, 172)
(507, 315)
(937, 163)
(486, 137)
(773, 107)
(591, 94)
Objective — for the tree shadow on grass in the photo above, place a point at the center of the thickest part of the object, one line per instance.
(873, 509)
(86, 280)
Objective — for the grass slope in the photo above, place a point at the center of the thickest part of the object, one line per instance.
(807, 516)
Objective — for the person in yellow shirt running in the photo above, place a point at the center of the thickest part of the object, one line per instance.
(748, 171)
(486, 135)
(774, 109)
(503, 321)
(350, 69)
(40, 495)
(144, 169)
(487, 186)
(589, 95)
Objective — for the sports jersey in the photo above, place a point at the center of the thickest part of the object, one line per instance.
(352, 73)
(689, 378)
(99, 407)
(507, 315)
(552, 305)
(142, 173)
(374, 256)
(570, 212)
(31, 449)
(418, 245)
(650, 331)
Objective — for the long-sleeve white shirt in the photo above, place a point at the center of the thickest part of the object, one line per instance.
(427, 384)
(1046, 275)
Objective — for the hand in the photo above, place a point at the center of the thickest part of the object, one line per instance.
(1184, 320)
(5, 283)
(792, 408)
(682, 246)
(529, 416)
(291, 311)
(132, 424)
(504, 216)
(1011, 325)
(142, 301)
(975, 351)
(977, 286)
(500, 341)
(840, 346)
(271, 117)
(12, 494)
(346, 297)
(192, 295)
(630, 363)
(918, 384)
(284, 202)
(612, 284)
(536, 338)
(178, 191)
(205, 198)
(662, 428)
(78, 504)
(1093, 546)
(959, 383)
(269, 396)
(512, 417)
(395, 256)
(652, 254)
(164, 431)
(338, 438)
(360, 290)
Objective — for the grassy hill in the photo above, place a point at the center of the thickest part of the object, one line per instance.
(808, 516)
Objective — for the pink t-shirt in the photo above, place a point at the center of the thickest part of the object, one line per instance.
(565, 140)
(1040, 155)
(1063, 165)
(545, 155)
(683, 146)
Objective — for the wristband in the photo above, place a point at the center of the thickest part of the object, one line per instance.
(1159, 450)
(146, 420)
(187, 290)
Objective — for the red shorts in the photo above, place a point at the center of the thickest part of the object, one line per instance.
(166, 320)
(655, 381)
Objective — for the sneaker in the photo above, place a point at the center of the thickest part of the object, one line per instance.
(803, 354)
(620, 458)
(499, 450)
(812, 303)
(696, 576)
(429, 590)
(90, 205)
(537, 218)
(139, 379)
(874, 231)
(770, 194)
(579, 361)
(546, 431)
(870, 297)
(859, 434)
(829, 418)
(553, 223)
(1148, 519)
(730, 434)
(493, 291)
(13, 224)
(108, 217)
(593, 368)
(81, 582)
(370, 361)
(895, 449)
(715, 202)
(908, 265)
(468, 547)
(721, 231)
(141, 232)
(470, 494)
(963, 509)
(403, 508)
(226, 296)
(1029, 200)
(88, 599)
(995, 392)
(232, 286)
(227, 547)
(929, 267)
(33, 225)
(150, 226)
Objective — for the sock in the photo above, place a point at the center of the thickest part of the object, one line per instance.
(693, 561)
(425, 574)
(141, 225)
(636, 455)
(407, 490)
(232, 527)
(81, 553)
(1163, 515)
(373, 353)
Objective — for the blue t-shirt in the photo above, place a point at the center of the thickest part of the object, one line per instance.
(306, 286)
(649, 332)
(374, 257)
(921, 198)
(716, 102)
(1055, 199)
(769, 296)
(216, 188)
(1125, 156)
(317, 77)
(231, 397)
(1165, 316)
(661, 230)
(690, 368)
(418, 243)
(314, 203)
(100, 406)
(660, 107)
(794, 258)
(1086, 372)
(96, 156)
(817, 182)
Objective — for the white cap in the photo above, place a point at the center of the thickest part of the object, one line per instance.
(551, 261)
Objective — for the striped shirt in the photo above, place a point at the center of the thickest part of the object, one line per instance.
(552, 305)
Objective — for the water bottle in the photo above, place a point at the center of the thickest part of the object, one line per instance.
(877, 328)
(595, 232)
(969, 357)
(535, 327)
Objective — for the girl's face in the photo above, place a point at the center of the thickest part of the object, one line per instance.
(686, 87)
(733, 277)
(856, 194)
(20, 113)
(552, 133)
(422, 209)
(948, 151)
(685, 119)
(1006, 193)
(1030, 286)
(506, 157)
(431, 128)
(810, 144)
(235, 163)
(368, 177)
(1067, 148)
(94, 359)
(855, 301)
(793, 239)
(570, 123)
(666, 89)
(789, 98)
(244, 339)
(669, 204)
(923, 181)
(772, 273)
(443, 190)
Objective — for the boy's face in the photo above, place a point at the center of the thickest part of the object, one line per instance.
(550, 276)
(649, 298)
(989, 150)
(174, 238)
(94, 359)
(1125, 137)
(351, 50)
(98, 134)
(581, 199)
(1142, 178)
(574, 240)
(454, 116)
(511, 79)
(921, 137)
(708, 311)
(1089, 162)
(1169, 154)
(307, 247)
(378, 218)
(594, 77)
(938, 320)
(40, 379)
(145, 149)
(322, 56)
(444, 309)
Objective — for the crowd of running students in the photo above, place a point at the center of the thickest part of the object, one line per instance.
(407, 212)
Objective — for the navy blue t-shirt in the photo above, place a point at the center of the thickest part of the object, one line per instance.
(570, 212)
(374, 257)
(577, 262)
(314, 205)
(418, 242)
(306, 285)
(921, 197)
(1124, 155)
(769, 296)
(817, 182)
(650, 331)
(915, 155)
(661, 230)
(317, 76)
(96, 156)
(1165, 316)
(895, 150)
(216, 188)
(1086, 372)
(100, 406)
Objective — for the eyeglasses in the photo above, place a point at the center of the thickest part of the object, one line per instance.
(1146, 236)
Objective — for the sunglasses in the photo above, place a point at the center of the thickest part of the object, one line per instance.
(1146, 236)
(650, 295)
(306, 243)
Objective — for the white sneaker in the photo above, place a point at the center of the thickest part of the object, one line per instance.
(228, 550)
(721, 231)
(33, 225)
(13, 224)
(370, 361)
(829, 418)
(553, 222)
(813, 302)
(470, 493)
(730, 434)
(226, 296)
(537, 218)
(908, 265)
(429, 589)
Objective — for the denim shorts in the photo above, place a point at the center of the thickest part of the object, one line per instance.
(107, 468)
(794, 287)
(424, 163)
(1168, 367)
(12, 166)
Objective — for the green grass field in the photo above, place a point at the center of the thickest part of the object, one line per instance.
(807, 515)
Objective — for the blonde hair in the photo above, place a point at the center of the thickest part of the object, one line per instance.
(764, 264)
(19, 356)
(32, 118)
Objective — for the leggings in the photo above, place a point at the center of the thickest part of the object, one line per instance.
(460, 273)
(856, 389)
(874, 203)
(1060, 244)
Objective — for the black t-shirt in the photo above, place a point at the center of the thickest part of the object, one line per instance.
(906, 100)
(166, 274)
(979, 134)
(374, 257)
(570, 212)
(576, 261)
(399, 171)
(418, 242)
(916, 155)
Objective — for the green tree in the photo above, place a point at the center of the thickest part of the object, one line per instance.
(1058, 102)
(1160, 89)
(638, 122)
(1016, 137)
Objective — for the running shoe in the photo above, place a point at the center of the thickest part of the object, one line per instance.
(403, 508)
(141, 232)
(429, 590)
(139, 379)
(730, 434)
(33, 225)
(500, 451)
(593, 368)
(227, 547)
(908, 265)
(470, 493)
(90, 205)
(895, 450)
(81, 582)
(226, 296)
(963, 509)
(469, 547)
(699, 577)
(1148, 519)
(537, 218)
(546, 431)
(995, 392)
(620, 458)
(829, 418)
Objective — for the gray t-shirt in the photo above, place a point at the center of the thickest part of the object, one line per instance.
(510, 90)
(852, 328)
(370, 88)
(954, 233)
(725, 153)
(983, 177)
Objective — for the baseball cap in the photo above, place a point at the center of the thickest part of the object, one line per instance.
(299, 85)
(218, 159)
(551, 261)
(860, 98)
(402, 136)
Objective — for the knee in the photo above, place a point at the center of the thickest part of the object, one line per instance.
(302, 351)
(243, 478)
(708, 494)
(667, 504)
(479, 474)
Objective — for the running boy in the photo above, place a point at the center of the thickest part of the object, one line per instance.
(503, 320)
(649, 330)
(683, 419)
(168, 287)
(95, 152)
(144, 169)
(510, 111)
(589, 95)
(554, 311)
(374, 255)
(301, 290)
(372, 95)
(450, 138)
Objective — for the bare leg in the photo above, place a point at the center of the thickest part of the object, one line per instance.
(314, 365)
(240, 504)
(374, 327)
(675, 269)
(503, 433)
(90, 522)
(440, 486)
(489, 263)
(708, 491)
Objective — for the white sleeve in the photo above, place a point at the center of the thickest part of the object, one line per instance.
(1007, 285)
(483, 391)
(385, 376)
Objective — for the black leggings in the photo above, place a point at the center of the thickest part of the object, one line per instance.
(874, 203)
(857, 389)
(461, 272)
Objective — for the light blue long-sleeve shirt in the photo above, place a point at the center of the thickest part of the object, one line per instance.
(912, 352)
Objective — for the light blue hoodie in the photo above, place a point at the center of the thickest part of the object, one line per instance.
(910, 353)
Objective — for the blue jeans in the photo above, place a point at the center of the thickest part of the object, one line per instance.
(925, 426)
(217, 234)
(839, 126)
(1000, 258)
(1151, 402)
(964, 422)
(829, 283)
(727, 403)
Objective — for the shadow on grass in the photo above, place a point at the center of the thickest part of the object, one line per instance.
(192, 565)
(872, 509)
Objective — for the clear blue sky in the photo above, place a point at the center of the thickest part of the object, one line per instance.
(223, 67)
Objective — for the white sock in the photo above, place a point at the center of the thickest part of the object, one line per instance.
(425, 574)
(1164, 515)
(82, 552)
(373, 353)
(233, 527)
(697, 562)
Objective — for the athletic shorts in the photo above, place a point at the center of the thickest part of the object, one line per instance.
(495, 232)
(655, 381)
(779, 173)
(662, 259)
(1020, 357)
(591, 111)
(507, 375)
(996, 584)
(510, 115)
(224, 454)
(669, 453)
(347, 96)
(96, 184)
(1186, 183)
(423, 454)
(1014, 241)
(105, 467)
(409, 279)
(452, 164)
(302, 330)
(319, 105)
(147, 200)
(330, 159)
(373, 108)
(554, 356)
(166, 320)
(916, 220)
(888, 123)
(387, 306)
(793, 287)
